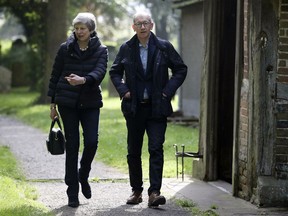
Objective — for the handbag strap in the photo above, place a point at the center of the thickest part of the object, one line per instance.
(53, 123)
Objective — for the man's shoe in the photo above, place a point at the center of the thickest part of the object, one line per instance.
(155, 199)
(135, 198)
(73, 201)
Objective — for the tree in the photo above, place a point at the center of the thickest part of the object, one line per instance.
(46, 24)
(109, 15)
(56, 33)
(164, 18)
(31, 14)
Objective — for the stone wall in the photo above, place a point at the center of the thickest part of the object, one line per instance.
(270, 189)
(243, 120)
(281, 147)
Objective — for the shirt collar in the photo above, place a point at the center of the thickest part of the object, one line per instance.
(146, 46)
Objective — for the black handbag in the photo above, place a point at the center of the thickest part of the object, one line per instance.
(55, 141)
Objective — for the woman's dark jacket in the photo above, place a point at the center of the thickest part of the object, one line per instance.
(91, 64)
(123, 75)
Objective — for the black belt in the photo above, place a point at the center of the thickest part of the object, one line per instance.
(145, 101)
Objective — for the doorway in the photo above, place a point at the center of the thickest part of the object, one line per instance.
(226, 76)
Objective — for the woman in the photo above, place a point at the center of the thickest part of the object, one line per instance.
(79, 68)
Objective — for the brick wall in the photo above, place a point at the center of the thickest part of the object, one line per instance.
(281, 145)
(243, 145)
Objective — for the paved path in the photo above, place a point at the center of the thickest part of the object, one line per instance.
(28, 145)
(109, 195)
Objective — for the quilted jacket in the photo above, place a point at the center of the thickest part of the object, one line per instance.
(92, 65)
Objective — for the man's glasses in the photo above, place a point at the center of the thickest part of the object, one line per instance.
(139, 24)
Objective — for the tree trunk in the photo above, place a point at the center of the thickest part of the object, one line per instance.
(161, 27)
(56, 33)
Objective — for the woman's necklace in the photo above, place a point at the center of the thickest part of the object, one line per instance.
(83, 49)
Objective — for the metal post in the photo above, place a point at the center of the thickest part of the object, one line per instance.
(176, 156)
(183, 150)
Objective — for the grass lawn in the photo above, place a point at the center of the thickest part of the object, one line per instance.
(112, 131)
(17, 197)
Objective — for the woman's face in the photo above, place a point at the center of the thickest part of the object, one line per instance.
(82, 32)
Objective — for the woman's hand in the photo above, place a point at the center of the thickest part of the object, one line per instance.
(74, 79)
(53, 112)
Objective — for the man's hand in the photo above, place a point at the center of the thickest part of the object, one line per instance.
(127, 95)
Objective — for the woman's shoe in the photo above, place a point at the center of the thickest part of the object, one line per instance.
(86, 189)
(73, 201)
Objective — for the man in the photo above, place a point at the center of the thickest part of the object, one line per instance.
(140, 75)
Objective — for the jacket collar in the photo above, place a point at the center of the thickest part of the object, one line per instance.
(71, 40)
(134, 41)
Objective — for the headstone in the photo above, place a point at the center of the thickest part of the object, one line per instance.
(19, 65)
(5, 79)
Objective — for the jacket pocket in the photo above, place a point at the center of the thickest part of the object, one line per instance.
(126, 106)
(166, 107)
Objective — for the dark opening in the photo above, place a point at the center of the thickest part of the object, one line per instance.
(226, 90)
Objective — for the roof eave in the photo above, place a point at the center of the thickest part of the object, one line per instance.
(180, 4)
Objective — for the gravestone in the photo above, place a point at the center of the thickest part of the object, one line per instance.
(5, 79)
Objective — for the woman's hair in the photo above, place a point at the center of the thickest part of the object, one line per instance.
(86, 18)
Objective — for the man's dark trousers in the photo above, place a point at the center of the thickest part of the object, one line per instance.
(155, 129)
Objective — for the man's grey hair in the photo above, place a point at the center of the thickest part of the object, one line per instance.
(86, 18)
(142, 13)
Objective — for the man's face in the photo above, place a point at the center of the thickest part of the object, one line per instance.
(142, 26)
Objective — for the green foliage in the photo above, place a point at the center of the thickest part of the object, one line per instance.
(214, 206)
(193, 207)
(26, 61)
(112, 148)
(17, 196)
(185, 203)
(5, 47)
(165, 18)
(109, 15)
(30, 14)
